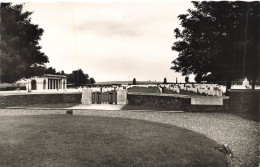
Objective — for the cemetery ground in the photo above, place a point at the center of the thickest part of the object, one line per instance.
(138, 135)
(49, 105)
(68, 140)
(125, 138)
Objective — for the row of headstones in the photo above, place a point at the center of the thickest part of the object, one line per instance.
(207, 89)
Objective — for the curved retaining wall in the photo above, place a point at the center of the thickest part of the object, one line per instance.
(24, 99)
(176, 102)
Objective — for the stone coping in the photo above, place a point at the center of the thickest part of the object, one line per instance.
(159, 94)
(179, 95)
(37, 93)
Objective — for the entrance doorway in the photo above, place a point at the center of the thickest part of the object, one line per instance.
(109, 97)
(33, 85)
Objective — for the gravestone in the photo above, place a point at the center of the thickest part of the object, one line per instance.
(246, 83)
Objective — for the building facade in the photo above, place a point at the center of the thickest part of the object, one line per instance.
(47, 82)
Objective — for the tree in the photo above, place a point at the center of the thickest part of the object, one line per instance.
(20, 54)
(219, 40)
(51, 70)
(61, 72)
(134, 81)
(164, 81)
(92, 81)
(187, 79)
(78, 78)
(198, 78)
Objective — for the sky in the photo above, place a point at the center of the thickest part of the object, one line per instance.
(111, 40)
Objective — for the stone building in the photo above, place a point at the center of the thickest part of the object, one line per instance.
(47, 82)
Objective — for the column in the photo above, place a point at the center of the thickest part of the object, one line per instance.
(65, 86)
(48, 84)
(52, 83)
(56, 82)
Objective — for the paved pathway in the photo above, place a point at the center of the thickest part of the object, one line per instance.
(98, 107)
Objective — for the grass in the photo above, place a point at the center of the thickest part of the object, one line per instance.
(69, 140)
(50, 105)
(145, 107)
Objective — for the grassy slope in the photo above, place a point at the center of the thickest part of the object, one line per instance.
(65, 140)
(145, 107)
(50, 105)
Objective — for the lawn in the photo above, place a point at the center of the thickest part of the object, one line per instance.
(50, 105)
(146, 107)
(70, 140)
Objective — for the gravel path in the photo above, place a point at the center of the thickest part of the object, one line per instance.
(241, 135)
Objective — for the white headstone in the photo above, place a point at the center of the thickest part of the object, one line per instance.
(245, 83)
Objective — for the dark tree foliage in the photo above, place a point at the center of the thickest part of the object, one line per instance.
(187, 79)
(92, 81)
(134, 81)
(198, 78)
(78, 78)
(60, 72)
(51, 70)
(219, 40)
(20, 51)
(165, 81)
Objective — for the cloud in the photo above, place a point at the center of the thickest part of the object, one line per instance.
(109, 28)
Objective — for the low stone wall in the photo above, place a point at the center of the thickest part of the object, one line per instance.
(24, 99)
(173, 102)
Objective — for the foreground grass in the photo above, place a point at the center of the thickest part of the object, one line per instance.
(145, 107)
(50, 105)
(68, 140)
